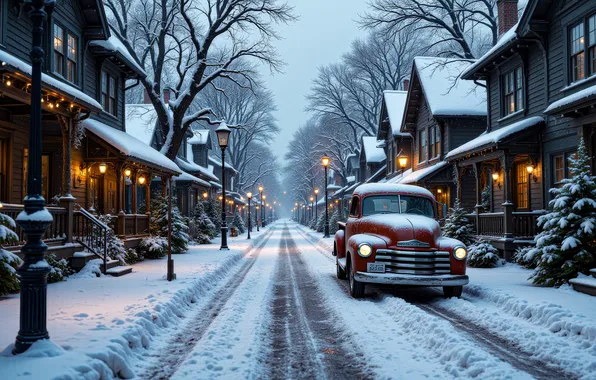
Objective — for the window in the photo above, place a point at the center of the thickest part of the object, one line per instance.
(560, 167)
(422, 146)
(514, 95)
(522, 189)
(577, 52)
(354, 207)
(108, 93)
(45, 174)
(592, 43)
(395, 204)
(65, 54)
(435, 141)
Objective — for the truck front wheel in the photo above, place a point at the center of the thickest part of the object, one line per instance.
(452, 291)
(356, 287)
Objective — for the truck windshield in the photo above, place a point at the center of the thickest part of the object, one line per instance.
(397, 204)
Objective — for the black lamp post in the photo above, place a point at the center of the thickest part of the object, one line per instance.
(316, 204)
(34, 219)
(325, 162)
(261, 213)
(264, 209)
(223, 135)
(249, 196)
(296, 211)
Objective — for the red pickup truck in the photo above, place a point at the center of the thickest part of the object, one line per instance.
(392, 237)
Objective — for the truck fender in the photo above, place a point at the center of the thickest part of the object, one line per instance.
(340, 244)
(358, 262)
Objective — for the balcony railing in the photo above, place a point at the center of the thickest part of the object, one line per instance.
(56, 231)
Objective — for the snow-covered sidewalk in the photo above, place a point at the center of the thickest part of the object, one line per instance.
(97, 324)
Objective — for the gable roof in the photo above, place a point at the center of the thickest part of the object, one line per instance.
(371, 151)
(446, 93)
(140, 121)
(201, 137)
(392, 112)
(113, 47)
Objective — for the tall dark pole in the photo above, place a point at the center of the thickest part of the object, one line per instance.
(170, 276)
(224, 224)
(262, 211)
(316, 205)
(257, 214)
(249, 223)
(34, 219)
(326, 206)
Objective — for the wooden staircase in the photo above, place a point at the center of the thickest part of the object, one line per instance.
(585, 285)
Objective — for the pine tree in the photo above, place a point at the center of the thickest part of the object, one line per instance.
(457, 225)
(9, 262)
(213, 210)
(59, 269)
(482, 254)
(238, 222)
(321, 222)
(205, 229)
(335, 218)
(567, 244)
(159, 223)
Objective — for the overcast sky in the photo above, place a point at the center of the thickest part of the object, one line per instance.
(324, 32)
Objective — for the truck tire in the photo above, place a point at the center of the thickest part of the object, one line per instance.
(452, 291)
(341, 273)
(356, 287)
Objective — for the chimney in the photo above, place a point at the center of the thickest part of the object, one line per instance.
(507, 15)
(146, 99)
(406, 84)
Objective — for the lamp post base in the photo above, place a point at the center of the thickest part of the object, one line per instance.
(224, 239)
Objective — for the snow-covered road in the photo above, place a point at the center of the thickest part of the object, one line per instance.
(283, 314)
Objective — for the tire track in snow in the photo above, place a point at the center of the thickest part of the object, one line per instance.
(490, 342)
(306, 341)
(170, 359)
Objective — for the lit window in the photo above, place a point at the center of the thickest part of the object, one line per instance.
(434, 134)
(108, 93)
(58, 50)
(65, 54)
(514, 94)
(559, 169)
(577, 52)
(522, 186)
(592, 43)
(71, 64)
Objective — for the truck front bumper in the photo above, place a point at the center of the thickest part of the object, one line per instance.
(412, 279)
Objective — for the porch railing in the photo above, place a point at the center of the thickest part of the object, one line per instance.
(490, 224)
(56, 231)
(133, 224)
(525, 224)
(91, 233)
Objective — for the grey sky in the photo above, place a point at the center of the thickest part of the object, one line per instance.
(324, 32)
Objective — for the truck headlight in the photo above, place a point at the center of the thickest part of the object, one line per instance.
(460, 253)
(364, 250)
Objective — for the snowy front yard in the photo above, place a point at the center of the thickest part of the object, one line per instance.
(111, 319)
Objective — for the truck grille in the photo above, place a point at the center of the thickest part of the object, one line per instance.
(414, 262)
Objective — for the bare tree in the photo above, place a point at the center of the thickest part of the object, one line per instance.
(263, 168)
(185, 45)
(459, 27)
(350, 92)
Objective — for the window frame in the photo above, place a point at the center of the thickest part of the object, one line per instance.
(422, 145)
(354, 206)
(108, 98)
(587, 28)
(515, 91)
(565, 155)
(434, 142)
(521, 172)
(62, 69)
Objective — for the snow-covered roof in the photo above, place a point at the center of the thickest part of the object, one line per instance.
(395, 101)
(503, 41)
(570, 100)
(217, 162)
(141, 120)
(373, 153)
(446, 93)
(333, 187)
(201, 137)
(419, 175)
(57, 85)
(129, 145)
(350, 189)
(189, 177)
(494, 137)
(377, 175)
(113, 44)
(392, 188)
(399, 177)
(215, 184)
(189, 166)
(351, 179)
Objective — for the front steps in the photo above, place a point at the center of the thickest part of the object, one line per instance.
(585, 285)
(80, 259)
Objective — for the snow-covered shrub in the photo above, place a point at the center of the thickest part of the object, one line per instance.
(59, 269)
(487, 194)
(90, 270)
(116, 249)
(153, 247)
(159, 223)
(333, 220)
(457, 225)
(312, 223)
(566, 246)
(9, 262)
(238, 222)
(482, 254)
(213, 210)
(320, 227)
(133, 257)
(203, 228)
(526, 257)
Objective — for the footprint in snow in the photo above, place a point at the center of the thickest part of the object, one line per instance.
(81, 315)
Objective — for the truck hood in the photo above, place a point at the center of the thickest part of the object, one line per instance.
(394, 228)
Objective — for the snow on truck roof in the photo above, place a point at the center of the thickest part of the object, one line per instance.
(370, 188)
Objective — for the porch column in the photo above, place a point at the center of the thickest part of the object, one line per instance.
(457, 181)
(148, 201)
(506, 165)
(133, 179)
(477, 166)
(119, 188)
(67, 200)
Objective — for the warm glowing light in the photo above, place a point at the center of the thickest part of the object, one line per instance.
(102, 167)
(260, 189)
(403, 161)
(440, 191)
(9, 83)
(264, 196)
(205, 195)
(249, 195)
(142, 180)
(495, 176)
(312, 199)
(127, 172)
(316, 191)
(530, 169)
(325, 161)
(296, 204)
(220, 197)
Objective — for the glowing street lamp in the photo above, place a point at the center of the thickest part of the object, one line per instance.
(103, 168)
(325, 161)
(249, 196)
(223, 135)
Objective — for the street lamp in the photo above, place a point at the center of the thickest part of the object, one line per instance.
(249, 196)
(35, 219)
(325, 162)
(205, 195)
(312, 205)
(264, 215)
(223, 134)
(296, 211)
(261, 214)
(316, 203)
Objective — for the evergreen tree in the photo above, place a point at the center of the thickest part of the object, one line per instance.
(321, 222)
(59, 269)
(213, 210)
(116, 249)
(333, 220)
(9, 262)
(153, 247)
(205, 229)
(483, 255)
(238, 222)
(567, 244)
(457, 225)
(159, 223)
